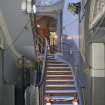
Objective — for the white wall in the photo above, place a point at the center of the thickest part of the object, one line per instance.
(15, 20)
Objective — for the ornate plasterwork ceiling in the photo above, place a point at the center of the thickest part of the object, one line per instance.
(47, 2)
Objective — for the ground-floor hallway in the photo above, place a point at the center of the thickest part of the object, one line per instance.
(52, 52)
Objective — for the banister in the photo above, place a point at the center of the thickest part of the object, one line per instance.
(41, 85)
(82, 86)
(80, 82)
(44, 62)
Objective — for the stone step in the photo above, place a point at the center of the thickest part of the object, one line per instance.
(59, 72)
(53, 77)
(58, 68)
(62, 99)
(57, 65)
(61, 104)
(61, 87)
(51, 58)
(60, 81)
(61, 92)
(59, 75)
(50, 55)
(54, 61)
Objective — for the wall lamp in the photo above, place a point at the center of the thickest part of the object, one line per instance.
(69, 37)
(38, 26)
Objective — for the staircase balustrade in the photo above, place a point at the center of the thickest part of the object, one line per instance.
(71, 54)
(41, 85)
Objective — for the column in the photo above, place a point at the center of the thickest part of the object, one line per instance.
(59, 29)
(98, 73)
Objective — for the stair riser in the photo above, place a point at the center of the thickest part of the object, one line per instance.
(60, 88)
(61, 82)
(59, 78)
(54, 62)
(49, 65)
(62, 94)
(63, 102)
(59, 73)
(50, 56)
(51, 59)
(59, 69)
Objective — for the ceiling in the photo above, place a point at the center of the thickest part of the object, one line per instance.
(16, 20)
(47, 2)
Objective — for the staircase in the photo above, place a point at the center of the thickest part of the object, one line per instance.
(60, 83)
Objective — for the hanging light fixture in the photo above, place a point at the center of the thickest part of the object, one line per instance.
(27, 6)
(23, 6)
(34, 8)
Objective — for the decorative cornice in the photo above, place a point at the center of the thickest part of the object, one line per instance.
(56, 7)
(97, 11)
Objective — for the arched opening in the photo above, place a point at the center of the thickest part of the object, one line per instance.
(46, 27)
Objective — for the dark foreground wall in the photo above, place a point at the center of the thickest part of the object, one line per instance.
(8, 77)
(8, 74)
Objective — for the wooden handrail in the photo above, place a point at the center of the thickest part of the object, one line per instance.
(44, 63)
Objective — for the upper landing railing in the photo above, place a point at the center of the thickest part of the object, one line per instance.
(71, 54)
(40, 85)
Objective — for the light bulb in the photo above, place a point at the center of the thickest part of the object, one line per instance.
(69, 38)
(38, 25)
(34, 8)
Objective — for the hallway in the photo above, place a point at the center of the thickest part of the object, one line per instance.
(52, 52)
